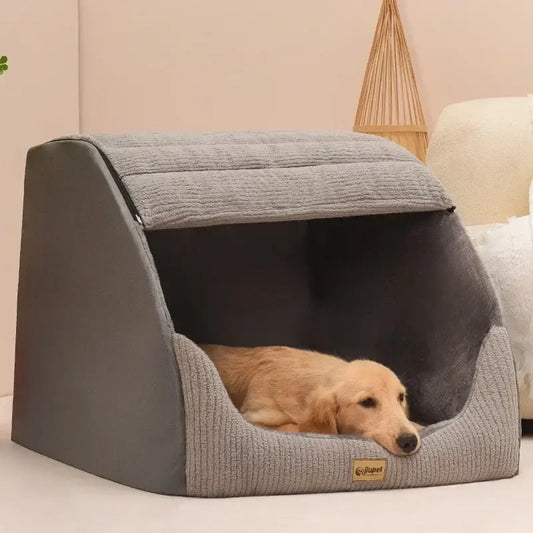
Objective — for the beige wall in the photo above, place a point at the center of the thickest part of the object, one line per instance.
(169, 64)
(232, 64)
(38, 100)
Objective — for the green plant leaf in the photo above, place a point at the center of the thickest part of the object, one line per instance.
(3, 59)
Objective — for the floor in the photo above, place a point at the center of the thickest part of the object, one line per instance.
(38, 494)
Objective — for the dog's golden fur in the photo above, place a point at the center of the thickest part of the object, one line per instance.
(303, 391)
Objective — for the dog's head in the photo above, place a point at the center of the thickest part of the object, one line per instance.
(367, 399)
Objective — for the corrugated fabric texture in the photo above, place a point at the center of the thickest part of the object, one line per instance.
(185, 180)
(227, 456)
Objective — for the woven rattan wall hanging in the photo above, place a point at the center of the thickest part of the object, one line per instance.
(389, 104)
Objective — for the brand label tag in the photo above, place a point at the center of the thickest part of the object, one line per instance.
(369, 469)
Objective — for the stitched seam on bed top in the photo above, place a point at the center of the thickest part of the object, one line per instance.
(360, 162)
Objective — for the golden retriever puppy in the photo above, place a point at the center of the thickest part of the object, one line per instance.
(303, 391)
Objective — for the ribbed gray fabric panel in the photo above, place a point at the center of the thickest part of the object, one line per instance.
(200, 179)
(227, 456)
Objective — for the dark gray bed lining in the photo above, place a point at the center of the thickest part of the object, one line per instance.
(404, 289)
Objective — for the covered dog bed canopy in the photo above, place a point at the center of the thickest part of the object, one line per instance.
(137, 248)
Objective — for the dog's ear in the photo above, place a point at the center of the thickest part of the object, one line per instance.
(322, 413)
(406, 407)
(416, 425)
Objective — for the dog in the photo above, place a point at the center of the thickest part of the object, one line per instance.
(295, 390)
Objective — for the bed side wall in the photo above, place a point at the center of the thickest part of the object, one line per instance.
(96, 380)
(228, 456)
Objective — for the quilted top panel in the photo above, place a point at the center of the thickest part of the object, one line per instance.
(202, 179)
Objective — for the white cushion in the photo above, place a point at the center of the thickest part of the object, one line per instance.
(482, 151)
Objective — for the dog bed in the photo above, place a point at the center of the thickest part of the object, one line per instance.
(137, 248)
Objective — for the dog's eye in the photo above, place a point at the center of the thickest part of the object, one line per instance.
(368, 402)
(401, 397)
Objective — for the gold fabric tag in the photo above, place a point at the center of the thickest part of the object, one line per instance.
(369, 469)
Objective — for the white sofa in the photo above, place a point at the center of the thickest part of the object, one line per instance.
(482, 150)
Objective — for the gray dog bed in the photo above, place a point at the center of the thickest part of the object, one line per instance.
(136, 248)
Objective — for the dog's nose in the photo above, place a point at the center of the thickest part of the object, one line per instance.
(407, 442)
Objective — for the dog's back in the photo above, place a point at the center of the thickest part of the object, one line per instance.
(236, 367)
(271, 367)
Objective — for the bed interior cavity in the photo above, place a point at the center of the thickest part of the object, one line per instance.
(392, 288)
